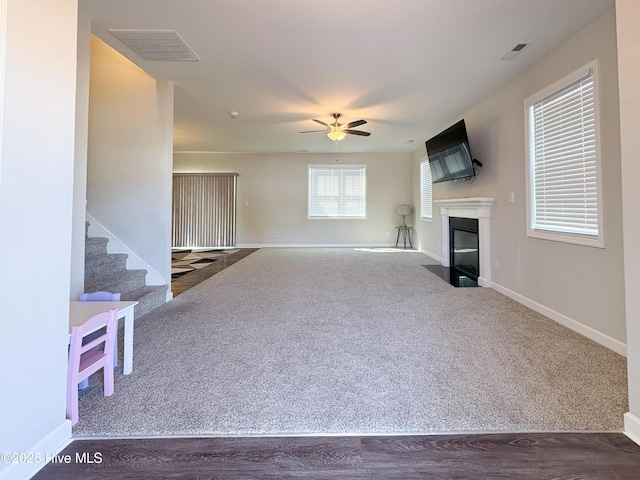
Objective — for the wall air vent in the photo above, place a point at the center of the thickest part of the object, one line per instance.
(511, 54)
(156, 45)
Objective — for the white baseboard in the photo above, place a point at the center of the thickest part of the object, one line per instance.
(589, 332)
(52, 444)
(436, 257)
(632, 427)
(315, 245)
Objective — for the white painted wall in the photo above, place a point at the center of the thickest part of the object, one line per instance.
(573, 283)
(130, 157)
(80, 165)
(628, 19)
(36, 196)
(272, 197)
(3, 50)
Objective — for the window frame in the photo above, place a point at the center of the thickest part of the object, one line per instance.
(425, 167)
(549, 232)
(310, 168)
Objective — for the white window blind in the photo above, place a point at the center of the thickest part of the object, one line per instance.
(563, 162)
(426, 199)
(337, 191)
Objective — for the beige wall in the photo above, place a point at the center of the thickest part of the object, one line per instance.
(272, 197)
(130, 157)
(580, 286)
(628, 19)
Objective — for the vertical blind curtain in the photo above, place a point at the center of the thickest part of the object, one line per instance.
(337, 191)
(564, 151)
(204, 210)
(425, 191)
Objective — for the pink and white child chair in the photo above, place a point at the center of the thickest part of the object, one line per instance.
(102, 297)
(87, 359)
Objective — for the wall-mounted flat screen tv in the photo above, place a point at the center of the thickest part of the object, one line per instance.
(449, 154)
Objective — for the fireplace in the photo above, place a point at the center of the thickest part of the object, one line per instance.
(466, 241)
(464, 258)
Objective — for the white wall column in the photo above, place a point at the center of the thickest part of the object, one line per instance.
(37, 107)
(80, 162)
(628, 19)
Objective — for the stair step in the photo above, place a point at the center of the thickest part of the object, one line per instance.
(150, 297)
(122, 282)
(97, 266)
(95, 246)
(108, 272)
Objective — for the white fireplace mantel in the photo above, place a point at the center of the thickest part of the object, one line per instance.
(480, 208)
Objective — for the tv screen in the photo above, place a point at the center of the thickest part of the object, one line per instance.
(449, 154)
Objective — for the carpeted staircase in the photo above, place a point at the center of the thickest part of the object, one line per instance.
(108, 272)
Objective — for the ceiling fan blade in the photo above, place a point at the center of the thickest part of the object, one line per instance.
(357, 123)
(357, 132)
(320, 122)
(313, 131)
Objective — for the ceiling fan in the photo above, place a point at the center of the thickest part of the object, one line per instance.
(337, 131)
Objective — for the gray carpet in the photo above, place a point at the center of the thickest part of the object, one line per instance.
(352, 341)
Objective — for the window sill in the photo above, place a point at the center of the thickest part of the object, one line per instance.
(583, 240)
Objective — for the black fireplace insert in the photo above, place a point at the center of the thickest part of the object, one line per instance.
(464, 254)
(463, 243)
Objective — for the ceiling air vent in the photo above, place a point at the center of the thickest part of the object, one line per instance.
(511, 54)
(156, 45)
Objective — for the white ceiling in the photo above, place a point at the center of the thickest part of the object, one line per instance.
(408, 67)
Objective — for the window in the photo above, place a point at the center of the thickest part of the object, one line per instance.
(337, 191)
(425, 190)
(563, 174)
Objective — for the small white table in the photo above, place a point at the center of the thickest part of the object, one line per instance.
(80, 312)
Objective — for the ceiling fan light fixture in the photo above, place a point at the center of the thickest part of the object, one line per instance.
(336, 135)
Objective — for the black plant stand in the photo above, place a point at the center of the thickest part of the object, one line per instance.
(406, 234)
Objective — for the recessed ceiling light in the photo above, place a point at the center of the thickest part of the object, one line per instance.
(410, 141)
(234, 114)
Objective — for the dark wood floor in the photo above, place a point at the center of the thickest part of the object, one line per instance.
(191, 279)
(606, 456)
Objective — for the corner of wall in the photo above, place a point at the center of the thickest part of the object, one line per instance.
(632, 427)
